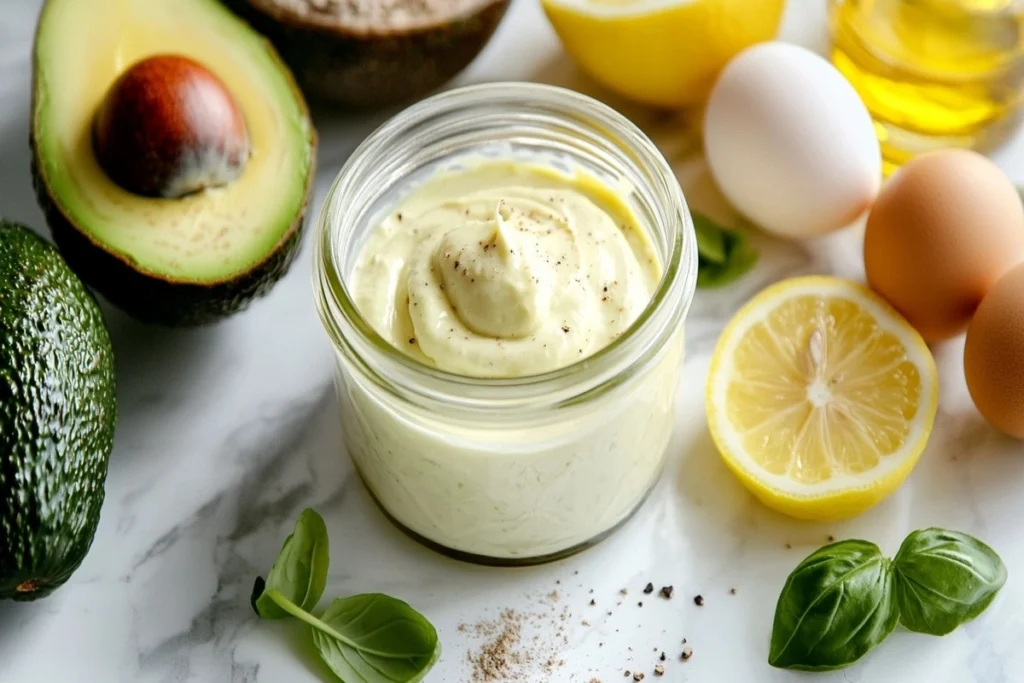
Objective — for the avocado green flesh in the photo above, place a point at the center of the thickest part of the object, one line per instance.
(57, 415)
(214, 236)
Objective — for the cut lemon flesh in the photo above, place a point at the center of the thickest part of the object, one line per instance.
(821, 397)
(665, 53)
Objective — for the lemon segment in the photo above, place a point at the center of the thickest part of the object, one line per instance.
(664, 53)
(820, 397)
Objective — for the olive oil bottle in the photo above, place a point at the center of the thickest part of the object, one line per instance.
(933, 73)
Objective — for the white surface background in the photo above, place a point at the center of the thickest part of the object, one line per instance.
(227, 432)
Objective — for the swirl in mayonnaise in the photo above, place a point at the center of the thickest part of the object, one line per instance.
(506, 269)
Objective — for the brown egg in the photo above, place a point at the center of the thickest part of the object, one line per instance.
(944, 229)
(994, 355)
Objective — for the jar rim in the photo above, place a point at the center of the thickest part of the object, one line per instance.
(598, 371)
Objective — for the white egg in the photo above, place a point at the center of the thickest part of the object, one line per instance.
(790, 143)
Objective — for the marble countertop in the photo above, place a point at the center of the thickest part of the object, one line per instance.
(227, 432)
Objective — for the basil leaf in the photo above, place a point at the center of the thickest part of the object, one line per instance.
(836, 605)
(722, 255)
(740, 258)
(300, 572)
(943, 579)
(710, 239)
(375, 638)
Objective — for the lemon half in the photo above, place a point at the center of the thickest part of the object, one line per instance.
(665, 53)
(821, 397)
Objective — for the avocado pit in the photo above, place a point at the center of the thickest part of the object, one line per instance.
(168, 127)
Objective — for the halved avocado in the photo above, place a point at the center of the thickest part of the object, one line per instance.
(168, 252)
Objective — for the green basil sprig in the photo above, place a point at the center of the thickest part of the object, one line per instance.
(836, 605)
(370, 638)
(376, 635)
(846, 598)
(943, 579)
(723, 255)
(300, 572)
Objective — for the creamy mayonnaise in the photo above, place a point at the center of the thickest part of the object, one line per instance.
(509, 269)
(503, 269)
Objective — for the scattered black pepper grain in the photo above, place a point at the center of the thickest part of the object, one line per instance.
(592, 603)
(684, 641)
(666, 592)
(399, 216)
(565, 328)
(412, 340)
(732, 591)
(831, 538)
(639, 604)
(687, 653)
(659, 670)
(789, 546)
(662, 657)
(648, 589)
(623, 591)
(699, 601)
(628, 672)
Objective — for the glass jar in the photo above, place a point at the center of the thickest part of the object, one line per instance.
(933, 73)
(527, 469)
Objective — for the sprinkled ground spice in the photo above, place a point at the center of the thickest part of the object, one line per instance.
(500, 658)
(517, 647)
(512, 650)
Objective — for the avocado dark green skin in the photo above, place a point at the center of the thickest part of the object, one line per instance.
(57, 414)
(366, 69)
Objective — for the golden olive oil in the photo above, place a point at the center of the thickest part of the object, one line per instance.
(933, 73)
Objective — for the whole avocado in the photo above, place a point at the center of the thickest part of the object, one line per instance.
(57, 414)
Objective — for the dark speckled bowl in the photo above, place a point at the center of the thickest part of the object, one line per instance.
(362, 69)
